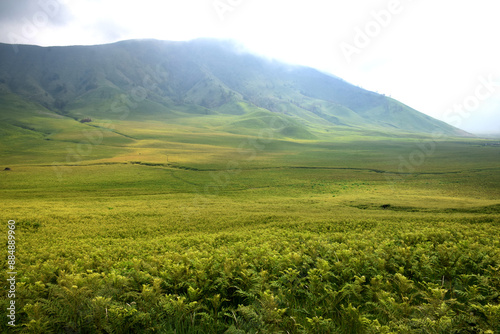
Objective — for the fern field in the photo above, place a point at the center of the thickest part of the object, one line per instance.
(271, 250)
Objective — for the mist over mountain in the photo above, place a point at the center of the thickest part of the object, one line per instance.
(175, 80)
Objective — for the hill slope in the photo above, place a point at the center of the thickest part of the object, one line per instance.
(149, 79)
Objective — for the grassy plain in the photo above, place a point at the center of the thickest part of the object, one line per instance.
(151, 228)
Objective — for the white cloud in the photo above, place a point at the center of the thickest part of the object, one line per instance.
(428, 54)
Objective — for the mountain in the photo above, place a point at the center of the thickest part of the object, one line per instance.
(193, 84)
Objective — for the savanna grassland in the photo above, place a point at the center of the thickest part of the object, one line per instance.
(177, 230)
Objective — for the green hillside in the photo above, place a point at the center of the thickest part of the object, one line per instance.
(200, 92)
(165, 80)
(185, 187)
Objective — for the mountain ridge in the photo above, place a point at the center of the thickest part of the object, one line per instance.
(173, 80)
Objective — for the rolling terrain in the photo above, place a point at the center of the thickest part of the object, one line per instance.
(146, 97)
(189, 187)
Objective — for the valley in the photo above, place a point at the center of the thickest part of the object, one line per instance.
(208, 192)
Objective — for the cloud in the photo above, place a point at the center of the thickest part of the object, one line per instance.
(424, 56)
(57, 11)
(23, 21)
(16, 10)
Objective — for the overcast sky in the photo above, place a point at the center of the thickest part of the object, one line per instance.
(439, 57)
